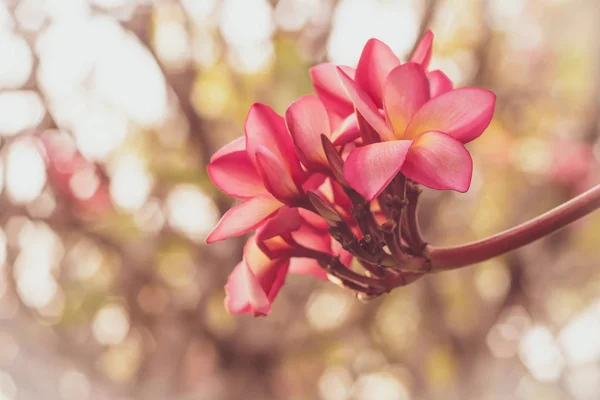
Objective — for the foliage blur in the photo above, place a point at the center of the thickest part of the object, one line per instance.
(109, 111)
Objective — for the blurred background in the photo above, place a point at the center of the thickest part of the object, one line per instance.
(109, 111)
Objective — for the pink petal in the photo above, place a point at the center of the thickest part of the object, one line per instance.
(335, 196)
(270, 274)
(328, 87)
(439, 161)
(340, 198)
(286, 220)
(255, 257)
(275, 248)
(307, 120)
(405, 90)
(313, 219)
(235, 145)
(369, 169)
(347, 149)
(366, 107)
(313, 238)
(313, 181)
(251, 291)
(439, 83)
(277, 179)
(264, 127)
(244, 217)
(462, 113)
(335, 120)
(235, 175)
(376, 62)
(347, 131)
(244, 295)
(307, 266)
(422, 54)
(278, 280)
(325, 190)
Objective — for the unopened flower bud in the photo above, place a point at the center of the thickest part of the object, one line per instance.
(335, 160)
(368, 134)
(323, 209)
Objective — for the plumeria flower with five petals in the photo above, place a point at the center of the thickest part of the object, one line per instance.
(377, 60)
(423, 137)
(260, 168)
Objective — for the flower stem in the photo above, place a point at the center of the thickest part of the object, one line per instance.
(444, 258)
(412, 219)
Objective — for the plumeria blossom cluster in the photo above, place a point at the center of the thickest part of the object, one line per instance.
(331, 187)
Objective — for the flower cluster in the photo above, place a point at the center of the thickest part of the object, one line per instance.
(337, 178)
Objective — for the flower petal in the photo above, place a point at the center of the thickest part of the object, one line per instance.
(307, 120)
(369, 169)
(269, 273)
(366, 107)
(254, 255)
(313, 238)
(405, 90)
(244, 295)
(461, 113)
(422, 54)
(277, 179)
(376, 62)
(347, 131)
(244, 217)
(307, 266)
(439, 83)
(235, 145)
(264, 127)
(315, 220)
(328, 87)
(439, 161)
(286, 220)
(313, 181)
(248, 292)
(235, 175)
(340, 199)
(278, 280)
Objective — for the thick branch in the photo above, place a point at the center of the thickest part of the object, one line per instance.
(514, 238)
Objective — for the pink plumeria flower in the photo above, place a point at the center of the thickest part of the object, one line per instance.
(308, 120)
(423, 137)
(376, 62)
(254, 282)
(261, 169)
(270, 255)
